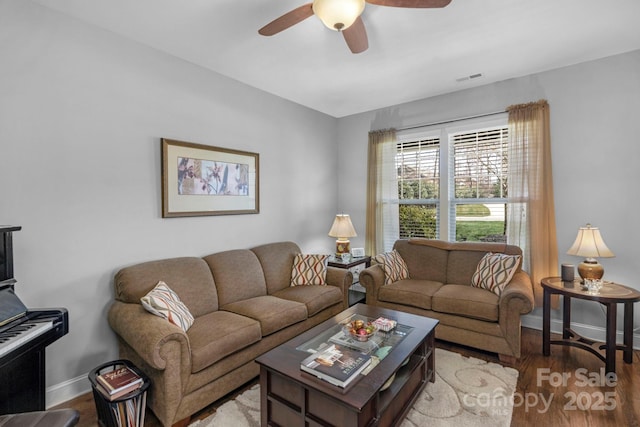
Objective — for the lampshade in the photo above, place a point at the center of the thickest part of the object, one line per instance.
(589, 244)
(338, 15)
(342, 229)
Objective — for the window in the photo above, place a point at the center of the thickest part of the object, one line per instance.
(463, 198)
(418, 166)
(456, 181)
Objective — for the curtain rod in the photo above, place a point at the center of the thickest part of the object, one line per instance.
(451, 121)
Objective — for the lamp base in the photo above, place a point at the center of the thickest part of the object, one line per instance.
(342, 247)
(590, 269)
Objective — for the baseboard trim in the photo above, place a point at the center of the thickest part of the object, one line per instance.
(67, 390)
(587, 331)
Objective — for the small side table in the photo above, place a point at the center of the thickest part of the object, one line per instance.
(355, 265)
(610, 296)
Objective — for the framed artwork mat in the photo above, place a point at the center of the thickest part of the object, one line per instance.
(200, 180)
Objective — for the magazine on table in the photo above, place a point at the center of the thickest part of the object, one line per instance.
(338, 365)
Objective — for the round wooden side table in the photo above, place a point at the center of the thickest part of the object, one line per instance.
(610, 296)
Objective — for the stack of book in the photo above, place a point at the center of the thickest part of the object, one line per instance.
(337, 365)
(118, 382)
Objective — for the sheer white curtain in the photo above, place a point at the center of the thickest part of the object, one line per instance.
(383, 225)
(531, 213)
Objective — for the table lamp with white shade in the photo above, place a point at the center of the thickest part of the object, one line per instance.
(589, 244)
(342, 229)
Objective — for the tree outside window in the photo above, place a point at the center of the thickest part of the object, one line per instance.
(469, 202)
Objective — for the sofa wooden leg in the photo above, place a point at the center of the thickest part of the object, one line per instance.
(183, 422)
(507, 359)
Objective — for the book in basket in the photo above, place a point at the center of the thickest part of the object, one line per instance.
(119, 394)
(119, 381)
(337, 365)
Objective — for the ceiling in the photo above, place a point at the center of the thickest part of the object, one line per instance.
(413, 53)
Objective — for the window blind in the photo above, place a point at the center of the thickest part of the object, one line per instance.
(480, 164)
(418, 168)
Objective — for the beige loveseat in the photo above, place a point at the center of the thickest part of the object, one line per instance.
(439, 286)
(243, 305)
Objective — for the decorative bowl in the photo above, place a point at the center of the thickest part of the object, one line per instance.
(359, 330)
(388, 383)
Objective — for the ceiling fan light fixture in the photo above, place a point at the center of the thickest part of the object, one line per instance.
(338, 15)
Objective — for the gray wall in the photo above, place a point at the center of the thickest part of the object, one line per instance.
(595, 109)
(82, 112)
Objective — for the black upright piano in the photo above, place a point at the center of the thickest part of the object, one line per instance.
(24, 335)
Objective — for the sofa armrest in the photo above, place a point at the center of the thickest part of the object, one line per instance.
(341, 278)
(518, 295)
(150, 336)
(372, 278)
(516, 299)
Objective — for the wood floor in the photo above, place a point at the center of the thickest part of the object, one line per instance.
(567, 388)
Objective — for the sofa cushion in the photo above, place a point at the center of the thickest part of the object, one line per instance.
(273, 313)
(238, 275)
(276, 260)
(309, 270)
(316, 298)
(416, 293)
(424, 262)
(165, 303)
(219, 334)
(393, 265)
(462, 266)
(189, 277)
(465, 300)
(495, 271)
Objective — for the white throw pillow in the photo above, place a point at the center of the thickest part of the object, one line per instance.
(164, 302)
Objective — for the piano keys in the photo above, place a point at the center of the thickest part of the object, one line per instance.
(24, 336)
(22, 369)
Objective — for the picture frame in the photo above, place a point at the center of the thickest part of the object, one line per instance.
(357, 252)
(200, 180)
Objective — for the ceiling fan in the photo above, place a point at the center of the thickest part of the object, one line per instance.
(343, 16)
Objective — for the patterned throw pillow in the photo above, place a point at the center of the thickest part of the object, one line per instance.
(393, 265)
(309, 270)
(163, 302)
(495, 271)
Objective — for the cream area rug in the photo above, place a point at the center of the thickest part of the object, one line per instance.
(468, 392)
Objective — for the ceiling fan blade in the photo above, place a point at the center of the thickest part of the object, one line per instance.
(356, 36)
(410, 3)
(287, 20)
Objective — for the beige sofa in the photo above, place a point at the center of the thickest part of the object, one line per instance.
(439, 286)
(243, 305)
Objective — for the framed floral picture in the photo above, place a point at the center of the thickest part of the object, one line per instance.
(202, 180)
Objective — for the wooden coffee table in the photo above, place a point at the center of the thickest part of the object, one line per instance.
(291, 397)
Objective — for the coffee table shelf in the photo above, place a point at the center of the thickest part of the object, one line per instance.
(290, 397)
(410, 379)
